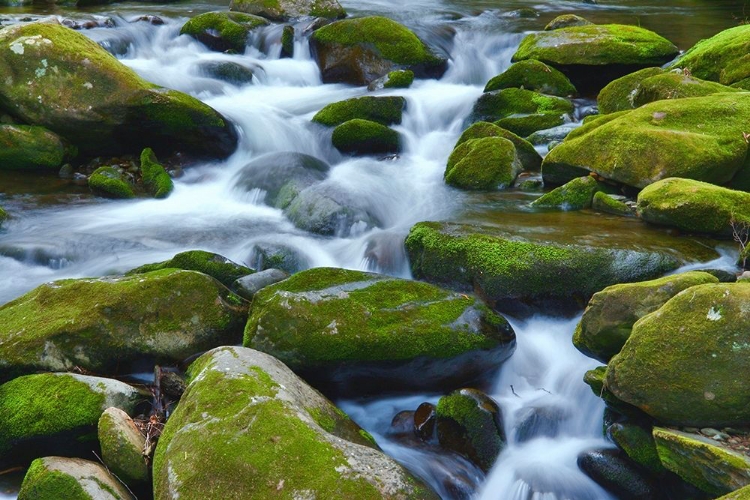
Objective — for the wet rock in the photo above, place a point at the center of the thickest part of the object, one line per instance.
(155, 179)
(223, 31)
(248, 286)
(402, 425)
(150, 19)
(533, 75)
(27, 147)
(172, 384)
(566, 21)
(287, 41)
(425, 418)
(355, 332)
(612, 470)
(386, 110)
(228, 71)
(111, 183)
(637, 441)
(521, 111)
(398, 79)
(603, 202)
(365, 137)
(574, 195)
(215, 265)
(270, 255)
(551, 136)
(123, 447)
(740, 494)
(284, 10)
(50, 477)
(539, 421)
(529, 157)
(489, 163)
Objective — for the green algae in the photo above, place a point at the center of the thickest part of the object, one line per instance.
(383, 110)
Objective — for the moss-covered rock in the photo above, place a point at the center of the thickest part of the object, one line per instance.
(399, 79)
(740, 494)
(110, 182)
(566, 21)
(683, 363)
(283, 10)
(212, 264)
(223, 31)
(697, 138)
(470, 423)
(638, 444)
(155, 178)
(104, 324)
(512, 272)
(574, 195)
(359, 51)
(247, 424)
(603, 202)
(532, 75)
(694, 206)
(364, 137)
(58, 78)
(488, 163)
(383, 110)
(57, 413)
(619, 94)
(721, 58)
(361, 332)
(610, 315)
(123, 447)
(527, 154)
(26, 147)
(701, 461)
(521, 111)
(55, 478)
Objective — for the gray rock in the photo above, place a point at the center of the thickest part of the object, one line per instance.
(249, 285)
(123, 447)
(50, 478)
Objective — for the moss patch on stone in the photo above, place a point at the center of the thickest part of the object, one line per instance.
(221, 30)
(399, 79)
(574, 195)
(602, 202)
(638, 443)
(107, 181)
(362, 137)
(212, 264)
(283, 10)
(383, 110)
(722, 58)
(566, 21)
(488, 163)
(26, 147)
(618, 95)
(521, 111)
(529, 157)
(156, 180)
(532, 75)
(41, 483)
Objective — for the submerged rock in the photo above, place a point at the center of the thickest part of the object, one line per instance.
(489, 163)
(222, 31)
(284, 10)
(215, 265)
(385, 110)
(54, 478)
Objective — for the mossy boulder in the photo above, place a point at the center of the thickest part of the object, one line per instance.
(55, 478)
(574, 195)
(398, 79)
(521, 111)
(527, 154)
(222, 31)
(27, 147)
(56, 413)
(740, 494)
(696, 138)
(359, 51)
(111, 183)
(603, 202)
(104, 324)
(694, 206)
(123, 447)
(247, 424)
(619, 94)
(489, 163)
(721, 58)
(361, 332)
(383, 110)
(701, 461)
(59, 79)
(215, 265)
(513, 273)
(532, 75)
(283, 10)
(683, 363)
(637, 441)
(471, 423)
(610, 315)
(566, 21)
(365, 137)
(281, 175)
(155, 178)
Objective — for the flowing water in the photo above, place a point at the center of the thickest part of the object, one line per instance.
(59, 230)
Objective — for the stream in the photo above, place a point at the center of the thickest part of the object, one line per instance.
(59, 230)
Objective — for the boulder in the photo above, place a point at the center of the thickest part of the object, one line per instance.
(682, 363)
(398, 79)
(618, 95)
(284, 10)
(359, 51)
(123, 447)
(487, 164)
(696, 138)
(281, 175)
(110, 183)
(155, 178)
(223, 31)
(27, 147)
(701, 461)
(611, 469)
(247, 424)
(356, 332)
(56, 413)
(60, 79)
(694, 206)
(603, 202)
(574, 195)
(385, 110)
(248, 286)
(103, 324)
(212, 264)
(566, 21)
(55, 478)
(513, 273)
(365, 137)
(637, 441)
(521, 111)
(610, 315)
(529, 157)
(532, 75)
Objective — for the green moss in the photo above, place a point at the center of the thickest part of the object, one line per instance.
(566, 21)
(106, 181)
(282, 11)
(675, 85)
(489, 163)
(740, 494)
(575, 195)
(3, 215)
(24, 147)
(155, 178)
(602, 202)
(365, 137)
(530, 159)
(383, 110)
(287, 41)
(399, 79)
(618, 95)
(638, 443)
(368, 437)
(533, 75)
(222, 30)
(721, 58)
(120, 453)
(212, 264)
(41, 483)
(523, 112)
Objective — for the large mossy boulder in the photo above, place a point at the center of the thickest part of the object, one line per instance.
(527, 154)
(55, 478)
(610, 315)
(222, 31)
(701, 461)
(532, 75)
(56, 414)
(694, 206)
(521, 111)
(27, 147)
(365, 137)
(486, 164)
(721, 58)
(513, 273)
(361, 332)
(283, 10)
(247, 427)
(574, 195)
(696, 138)
(215, 265)
(385, 110)
(359, 51)
(58, 78)
(684, 363)
(103, 324)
